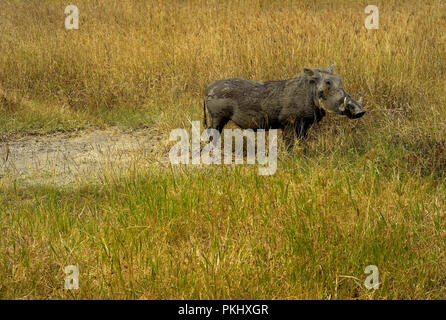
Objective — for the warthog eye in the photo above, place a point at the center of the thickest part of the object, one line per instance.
(328, 83)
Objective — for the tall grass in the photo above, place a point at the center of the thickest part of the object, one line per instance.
(361, 192)
(156, 57)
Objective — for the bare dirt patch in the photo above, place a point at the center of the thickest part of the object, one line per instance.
(66, 158)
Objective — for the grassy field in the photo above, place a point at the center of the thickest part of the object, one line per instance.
(365, 192)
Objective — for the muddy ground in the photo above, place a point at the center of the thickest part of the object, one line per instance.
(63, 159)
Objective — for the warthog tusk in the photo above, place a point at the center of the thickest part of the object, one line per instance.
(321, 104)
(344, 104)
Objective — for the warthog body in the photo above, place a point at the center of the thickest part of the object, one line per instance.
(292, 105)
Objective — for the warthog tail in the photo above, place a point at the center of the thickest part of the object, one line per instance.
(205, 122)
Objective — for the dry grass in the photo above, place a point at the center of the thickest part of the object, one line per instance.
(363, 192)
(156, 58)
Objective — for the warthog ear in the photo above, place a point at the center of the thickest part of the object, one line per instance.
(331, 68)
(312, 74)
(309, 72)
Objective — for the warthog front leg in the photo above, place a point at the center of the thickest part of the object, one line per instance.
(297, 130)
(302, 130)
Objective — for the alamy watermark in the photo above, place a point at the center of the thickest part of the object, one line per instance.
(372, 281)
(72, 278)
(72, 20)
(187, 150)
(372, 20)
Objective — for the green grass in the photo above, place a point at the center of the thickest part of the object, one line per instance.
(306, 232)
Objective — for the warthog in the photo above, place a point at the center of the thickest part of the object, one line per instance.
(292, 105)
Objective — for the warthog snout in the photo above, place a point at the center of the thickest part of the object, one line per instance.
(351, 108)
(357, 115)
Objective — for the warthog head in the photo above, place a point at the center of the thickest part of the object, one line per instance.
(330, 95)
